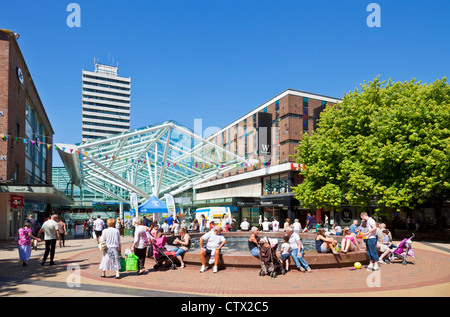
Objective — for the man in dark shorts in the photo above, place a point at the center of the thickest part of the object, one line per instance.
(99, 225)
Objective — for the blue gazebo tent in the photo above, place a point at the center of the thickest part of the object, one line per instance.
(153, 205)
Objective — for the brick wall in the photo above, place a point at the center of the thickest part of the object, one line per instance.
(13, 97)
(4, 79)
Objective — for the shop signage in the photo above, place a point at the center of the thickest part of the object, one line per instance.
(79, 231)
(22, 189)
(246, 202)
(271, 203)
(346, 215)
(283, 201)
(16, 201)
(264, 135)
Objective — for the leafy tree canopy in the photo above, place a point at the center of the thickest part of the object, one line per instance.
(387, 143)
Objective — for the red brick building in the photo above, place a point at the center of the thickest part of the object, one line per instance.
(25, 145)
(265, 188)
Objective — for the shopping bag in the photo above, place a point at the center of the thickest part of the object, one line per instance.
(132, 262)
(123, 265)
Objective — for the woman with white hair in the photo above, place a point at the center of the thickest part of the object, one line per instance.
(140, 243)
(111, 255)
(253, 242)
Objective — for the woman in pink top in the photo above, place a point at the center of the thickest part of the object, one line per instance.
(349, 241)
(24, 243)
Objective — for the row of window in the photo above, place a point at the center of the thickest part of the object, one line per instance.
(89, 103)
(95, 130)
(106, 118)
(105, 86)
(106, 99)
(271, 185)
(104, 111)
(105, 125)
(107, 79)
(106, 92)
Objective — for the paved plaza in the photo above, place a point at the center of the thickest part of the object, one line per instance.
(429, 276)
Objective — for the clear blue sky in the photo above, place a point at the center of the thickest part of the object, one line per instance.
(217, 60)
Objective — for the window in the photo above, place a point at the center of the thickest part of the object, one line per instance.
(276, 184)
(305, 114)
(35, 155)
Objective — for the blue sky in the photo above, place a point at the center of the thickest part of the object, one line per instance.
(217, 60)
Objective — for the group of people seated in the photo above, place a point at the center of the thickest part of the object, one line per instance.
(292, 247)
(353, 239)
(212, 242)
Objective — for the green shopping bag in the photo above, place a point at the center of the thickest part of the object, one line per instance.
(123, 264)
(132, 262)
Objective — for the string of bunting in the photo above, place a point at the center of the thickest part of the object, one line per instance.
(6, 137)
(190, 165)
(294, 166)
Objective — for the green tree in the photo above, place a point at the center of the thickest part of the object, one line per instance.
(387, 143)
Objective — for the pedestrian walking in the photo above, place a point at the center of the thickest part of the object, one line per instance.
(50, 229)
(111, 255)
(99, 225)
(90, 224)
(62, 232)
(25, 236)
(34, 226)
(140, 244)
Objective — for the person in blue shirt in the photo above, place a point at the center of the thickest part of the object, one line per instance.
(169, 220)
(354, 227)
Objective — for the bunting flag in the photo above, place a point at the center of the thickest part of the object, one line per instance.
(294, 166)
(6, 137)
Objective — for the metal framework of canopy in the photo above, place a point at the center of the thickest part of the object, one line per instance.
(158, 159)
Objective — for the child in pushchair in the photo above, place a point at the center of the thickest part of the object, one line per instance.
(270, 264)
(403, 250)
(161, 255)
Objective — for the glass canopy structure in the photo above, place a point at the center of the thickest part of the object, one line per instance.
(153, 160)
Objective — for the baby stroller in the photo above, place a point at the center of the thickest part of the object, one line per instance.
(403, 250)
(270, 264)
(161, 255)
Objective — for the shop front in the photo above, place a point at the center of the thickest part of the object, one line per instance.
(279, 207)
(247, 208)
(18, 202)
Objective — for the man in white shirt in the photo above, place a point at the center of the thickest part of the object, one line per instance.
(275, 225)
(99, 225)
(50, 229)
(215, 242)
(245, 226)
(297, 251)
(265, 225)
(371, 242)
(165, 226)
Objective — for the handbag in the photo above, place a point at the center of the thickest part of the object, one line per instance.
(131, 263)
(102, 246)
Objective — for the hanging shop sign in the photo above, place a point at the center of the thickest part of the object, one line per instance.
(16, 201)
